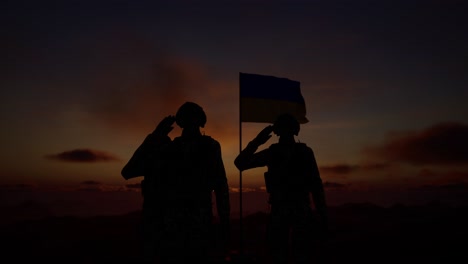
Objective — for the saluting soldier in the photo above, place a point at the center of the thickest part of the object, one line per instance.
(180, 177)
(292, 181)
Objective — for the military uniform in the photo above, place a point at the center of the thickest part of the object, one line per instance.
(195, 171)
(180, 177)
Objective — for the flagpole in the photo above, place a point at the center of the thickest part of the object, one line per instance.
(241, 246)
(271, 91)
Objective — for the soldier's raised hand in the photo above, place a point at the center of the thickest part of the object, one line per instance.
(264, 135)
(165, 126)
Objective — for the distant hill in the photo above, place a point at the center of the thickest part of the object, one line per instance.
(360, 233)
(27, 210)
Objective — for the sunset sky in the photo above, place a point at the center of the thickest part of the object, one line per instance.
(385, 86)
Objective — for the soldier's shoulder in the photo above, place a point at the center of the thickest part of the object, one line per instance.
(210, 140)
(303, 147)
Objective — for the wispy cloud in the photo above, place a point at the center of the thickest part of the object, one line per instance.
(339, 168)
(94, 186)
(136, 186)
(441, 144)
(345, 169)
(83, 155)
(246, 189)
(137, 84)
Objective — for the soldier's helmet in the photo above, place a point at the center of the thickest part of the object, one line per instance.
(286, 124)
(189, 115)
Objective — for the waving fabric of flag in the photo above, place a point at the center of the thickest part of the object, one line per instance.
(263, 98)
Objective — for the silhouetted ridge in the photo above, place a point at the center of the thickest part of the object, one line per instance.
(27, 210)
(419, 234)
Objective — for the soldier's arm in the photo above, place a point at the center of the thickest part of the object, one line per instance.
(248, 159)
(139, 161)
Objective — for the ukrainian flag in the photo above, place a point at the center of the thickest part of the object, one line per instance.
(263, 98)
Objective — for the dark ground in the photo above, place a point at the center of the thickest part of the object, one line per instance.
(360, 233)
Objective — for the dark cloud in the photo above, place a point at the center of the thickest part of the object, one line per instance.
(339, 168)
(133, 186)
(334, 185)
(441, 144)
(90, 183)
(374, 166)
(348, 168)
(94, 186)
(83, 155)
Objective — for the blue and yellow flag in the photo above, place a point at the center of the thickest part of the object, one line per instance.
(263, 98)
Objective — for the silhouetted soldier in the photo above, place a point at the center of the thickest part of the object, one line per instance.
(291, 177)
(180, 177)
